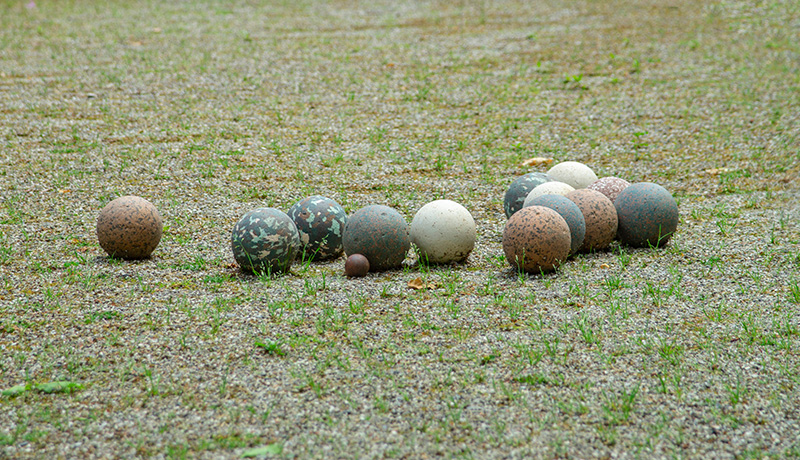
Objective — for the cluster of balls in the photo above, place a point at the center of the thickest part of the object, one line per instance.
(374, 238)
(568, 209)
(267, 240)
(550, 216)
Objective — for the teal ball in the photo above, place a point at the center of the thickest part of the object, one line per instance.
(380, 234)
(320, 224)
(570, 212)
(648, 215)
(265, 240)
(520, 188)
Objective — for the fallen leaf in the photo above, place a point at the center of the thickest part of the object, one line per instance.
(604, 266)
(58, 387)
(537, 161)
(51, 387)
(14, 391)
(716, 171)
(418, 284)
(272, 449)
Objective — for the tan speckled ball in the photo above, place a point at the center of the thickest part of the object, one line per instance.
(600, 216)
(129, 227)
(536, 239)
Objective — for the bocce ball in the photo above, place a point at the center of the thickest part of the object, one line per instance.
(570, 212)
(576, 174)
(519, 189)
(265, 240)
(600, 216)
(356, 265)
(648, 215)
(380, 234)
(536, 239)
(548, 188)
(320, 223)
(129, 227)
(609, 186)
(443, 231)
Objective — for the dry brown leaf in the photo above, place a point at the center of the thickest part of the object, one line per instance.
(716, 171)
(537, 161)
(418, 284)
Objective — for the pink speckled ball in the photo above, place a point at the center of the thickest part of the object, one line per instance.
(609, 186)
(600, 216)
(129, 227)
(536, 239)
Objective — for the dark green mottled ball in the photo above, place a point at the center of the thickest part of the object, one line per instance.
(648, 215)
(380, 234)
(320, 223)
(265, 240)
(519, 189)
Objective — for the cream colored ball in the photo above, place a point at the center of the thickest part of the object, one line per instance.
(548, 188)
(443, 232)
(576, 174)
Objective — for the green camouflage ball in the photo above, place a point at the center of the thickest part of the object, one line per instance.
(320, 223)
(265, 240)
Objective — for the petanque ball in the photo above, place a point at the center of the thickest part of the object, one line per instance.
(576, 174)
(129, 227)
(265, 240)
(536, 239)
(648, 215)
(548, 188)
(380, 234)
(570, 212)
(609, 186)
(356, 265)
(519, 189)
(443, 231)
(320, 224)
(600, 216)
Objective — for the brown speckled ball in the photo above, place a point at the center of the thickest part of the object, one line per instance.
(129, 227)
(609, 186)
(536, 239)
(600, 216)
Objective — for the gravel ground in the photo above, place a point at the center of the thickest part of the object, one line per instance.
(211, 109)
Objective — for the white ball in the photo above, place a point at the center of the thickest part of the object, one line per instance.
(578, 175)
(548, 188)
(443, 231)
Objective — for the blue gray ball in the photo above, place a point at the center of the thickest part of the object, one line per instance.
(570, 212)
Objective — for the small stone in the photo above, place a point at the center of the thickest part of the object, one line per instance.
(356, 265)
